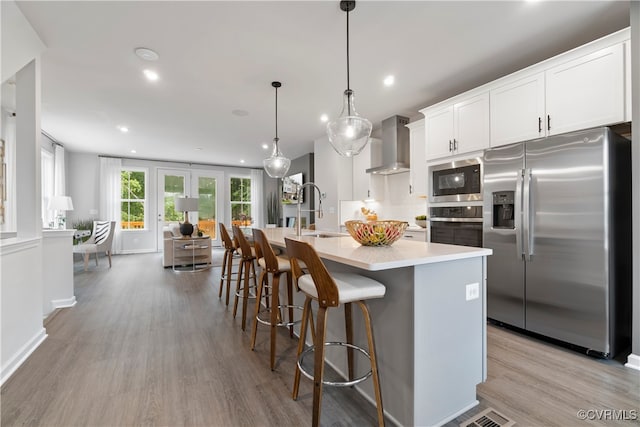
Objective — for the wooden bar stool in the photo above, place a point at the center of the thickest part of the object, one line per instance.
(230, 252)
(277, 266)
(247, 264)
(331, 290)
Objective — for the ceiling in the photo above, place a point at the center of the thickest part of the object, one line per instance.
(218, 57)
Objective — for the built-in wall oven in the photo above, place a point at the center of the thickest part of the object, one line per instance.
(456, 225)
(456, 181)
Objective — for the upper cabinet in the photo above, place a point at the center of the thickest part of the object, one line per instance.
(417, 149)
(364, 187)
(458, 128)
(578, 94)
(585, 87)
(586, 92)
(517, 110)
(627, 81)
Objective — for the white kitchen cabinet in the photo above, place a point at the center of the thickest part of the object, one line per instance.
(627, 81)
(415, 235)
(586, 92)
(417, 150)
(364, 187)
(517, 111)
(459, 128)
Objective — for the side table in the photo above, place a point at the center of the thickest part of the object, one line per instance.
(191, 253)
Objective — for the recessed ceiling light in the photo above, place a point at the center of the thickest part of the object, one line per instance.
(151, 75)
(134, 151)
(198, 148)
(240, 113)
(265, 146)
(123, 129)
(146, 54)
(324, 118)
(389, 80)
(241, 160)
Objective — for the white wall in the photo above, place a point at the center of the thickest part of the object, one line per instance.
(21, 257)
(634, 358)
(20, 43)
(334, 176)
(83, 176)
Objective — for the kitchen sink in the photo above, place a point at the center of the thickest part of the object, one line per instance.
(323, 235)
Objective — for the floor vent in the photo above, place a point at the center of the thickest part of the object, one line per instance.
(488, 418)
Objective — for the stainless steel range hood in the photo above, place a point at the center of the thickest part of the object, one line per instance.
(395, 147)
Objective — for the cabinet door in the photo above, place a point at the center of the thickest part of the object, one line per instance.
(417, 148)
(627, 81)
(586, 92)
(361, 179)
(439, 133)
(517, 111)
(471, 124)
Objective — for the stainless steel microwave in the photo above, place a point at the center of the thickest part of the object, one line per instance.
(457, 181)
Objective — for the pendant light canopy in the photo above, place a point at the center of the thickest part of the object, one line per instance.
(349, 133)
(277, 165)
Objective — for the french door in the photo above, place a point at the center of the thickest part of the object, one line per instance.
(206, 186)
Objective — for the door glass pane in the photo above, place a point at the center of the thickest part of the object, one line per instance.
(207, 206)
(173, 186)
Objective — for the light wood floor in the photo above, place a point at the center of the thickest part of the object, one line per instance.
(147, 346)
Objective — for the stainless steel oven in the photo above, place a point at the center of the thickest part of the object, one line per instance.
(456, 181)
(456, 225)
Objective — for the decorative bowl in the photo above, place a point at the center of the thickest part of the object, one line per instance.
(376, 233)
(421, 222)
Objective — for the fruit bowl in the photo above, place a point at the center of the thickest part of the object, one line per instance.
(376, 233)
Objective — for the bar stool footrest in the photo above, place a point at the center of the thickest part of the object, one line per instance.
(335, 383)
(280, 307)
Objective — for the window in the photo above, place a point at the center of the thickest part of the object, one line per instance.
(47, 187)
(241, 201)
(132, 199)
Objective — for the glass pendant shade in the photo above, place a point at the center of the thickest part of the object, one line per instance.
(349, 133)
(277, 165)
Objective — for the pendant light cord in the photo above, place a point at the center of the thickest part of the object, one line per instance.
(348, 87)
(276, 139)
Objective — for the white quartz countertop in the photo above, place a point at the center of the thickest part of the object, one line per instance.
(403, 253)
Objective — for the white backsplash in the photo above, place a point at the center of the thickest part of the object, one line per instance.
(396, 202)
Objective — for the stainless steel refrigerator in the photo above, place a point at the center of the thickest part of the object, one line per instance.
(557, 214)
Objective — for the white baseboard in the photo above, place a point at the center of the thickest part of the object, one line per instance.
(22, 355)
(63, 303)
(633, 362)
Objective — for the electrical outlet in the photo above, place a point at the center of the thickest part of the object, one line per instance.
(332, 209)
(473, 291)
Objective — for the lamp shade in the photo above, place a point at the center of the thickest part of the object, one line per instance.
(60, 203)
(186, 204)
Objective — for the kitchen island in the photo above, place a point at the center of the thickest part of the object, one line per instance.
(430, 327)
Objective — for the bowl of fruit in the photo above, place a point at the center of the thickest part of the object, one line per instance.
(376, 233)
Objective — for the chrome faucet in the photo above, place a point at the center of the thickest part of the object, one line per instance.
(299, 197)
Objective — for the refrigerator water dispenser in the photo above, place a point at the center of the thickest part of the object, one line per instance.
(503, 209)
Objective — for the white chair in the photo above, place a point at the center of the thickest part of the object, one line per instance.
(100, 241)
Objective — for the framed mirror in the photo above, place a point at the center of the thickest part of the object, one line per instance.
(290, 186)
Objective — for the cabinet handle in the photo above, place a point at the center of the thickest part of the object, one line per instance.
(410, 188)
(539, 124)
(455, 144)
(368, 193)
(450, 146)
(548, 122)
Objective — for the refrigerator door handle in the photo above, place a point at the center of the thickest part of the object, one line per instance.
(517, 214)
(527, 228)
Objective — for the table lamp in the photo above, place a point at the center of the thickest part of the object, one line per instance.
(186, 205)
(60, 204)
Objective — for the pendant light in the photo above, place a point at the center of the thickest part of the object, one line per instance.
(277, 165)
(349, 133)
